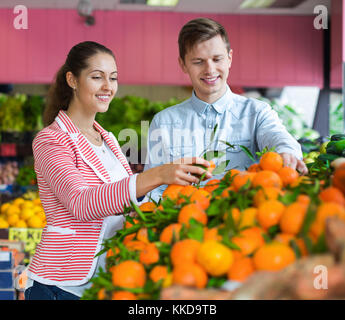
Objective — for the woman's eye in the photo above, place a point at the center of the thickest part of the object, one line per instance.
(113, 79)
(96, 77)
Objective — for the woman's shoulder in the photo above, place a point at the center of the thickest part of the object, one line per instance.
(49, 133)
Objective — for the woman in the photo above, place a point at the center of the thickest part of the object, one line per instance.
(83, 177)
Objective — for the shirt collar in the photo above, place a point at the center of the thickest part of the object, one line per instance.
(220, 105)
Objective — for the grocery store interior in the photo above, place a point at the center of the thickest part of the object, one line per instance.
(289, 53)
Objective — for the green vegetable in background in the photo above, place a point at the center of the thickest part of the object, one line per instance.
(335, 147)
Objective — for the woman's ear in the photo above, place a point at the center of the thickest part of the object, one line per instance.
(71, 80)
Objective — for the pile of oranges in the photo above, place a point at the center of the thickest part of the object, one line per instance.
(263, 218)
(22, 213)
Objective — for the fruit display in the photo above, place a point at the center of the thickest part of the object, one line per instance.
(23, 212)
(8, 172)
(265, 218)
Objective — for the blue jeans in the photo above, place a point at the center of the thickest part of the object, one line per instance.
(40, 291)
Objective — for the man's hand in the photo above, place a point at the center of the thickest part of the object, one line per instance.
(291, 161)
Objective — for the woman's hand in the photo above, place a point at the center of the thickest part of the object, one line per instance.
(181, 171)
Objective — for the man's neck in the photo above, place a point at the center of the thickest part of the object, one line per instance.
(210, 98)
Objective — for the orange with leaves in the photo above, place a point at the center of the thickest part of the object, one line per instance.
(288, 176)
(142, 235)
(212, 234)
(241, 269)
(273, 256)
(147, 207)
(211, 185)
(158, 273)
(292, 218)
(267, 178)
(187, 192)
(128, 274)
(235, 213)
(214, 257)
(135, 245)
(248, 217)
(271, 161)
(184, 251)
(190, 275)
(123, 295)
(332, 194)
(264, 194)
(226, 191)
(303, 199)
(190, 211)
(172, 191)
(242, 179)
(230, 174)
(255, 167)
(149, 255)
(269, 213)
(202, 198)
(247, 244)
(286, 238)
(170, 232)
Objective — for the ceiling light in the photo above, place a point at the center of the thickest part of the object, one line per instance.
(246, 4)
(163, 3)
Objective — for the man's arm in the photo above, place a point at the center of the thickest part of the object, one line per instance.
(272, 133)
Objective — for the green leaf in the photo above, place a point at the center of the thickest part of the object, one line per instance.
(195, 230)
(247, 152)
(213, 132)
(221, 167)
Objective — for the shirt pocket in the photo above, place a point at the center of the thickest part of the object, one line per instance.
(178, 152)
(238, 158)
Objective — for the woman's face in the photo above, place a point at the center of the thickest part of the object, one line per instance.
(97, 84)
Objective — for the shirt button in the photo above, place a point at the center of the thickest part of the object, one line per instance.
(210, 126)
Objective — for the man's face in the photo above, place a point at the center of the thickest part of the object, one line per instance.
(207, 65)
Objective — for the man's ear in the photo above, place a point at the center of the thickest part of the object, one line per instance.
(230, 57)
(182, 65)
(71, 80)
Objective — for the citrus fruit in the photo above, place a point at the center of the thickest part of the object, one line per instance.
(271, 161)
(190, 211)
(292, 218)
(267, 178)
(241, 269)
(170, 232)
(184, 251)
(190, 275)
(147, 207)
(172, 191)
(269, 213)
(158, 273)
(123, 295)
(201, 197)
(128, 274)
(149, 255)
(288, 175)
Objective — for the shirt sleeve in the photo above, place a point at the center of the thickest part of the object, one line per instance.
(54, 166)
(272, 133)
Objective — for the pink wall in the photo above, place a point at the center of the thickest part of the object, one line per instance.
(337, 43)
(268, 50)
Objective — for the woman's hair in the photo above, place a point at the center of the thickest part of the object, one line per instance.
(200, 30)
(60, 93)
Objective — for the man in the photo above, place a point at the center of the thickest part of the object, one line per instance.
(214, 114)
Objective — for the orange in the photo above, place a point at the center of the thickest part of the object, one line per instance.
(128, 238)
(123, 295)
(135, 245)
(269, 213)
(266, 193)
(292, 218)
(226, 193)
(158, 273)
(236, 215)
(186, 191)
(190, 211)
(288, 175)
(303, 199)
(271, 161)
(190, 275)
(255, 167)
(128, 274)
(149, 255)
(214, 257)
(212, 234)
(147, 207)
(101, 294)
(212, 185)
(255, 232)
(242, 179)
(201, 197)
(338, 179)
(247, 244)
(169, 232)
(248, 217)
(332, 194)
(273, 256)
(14, 218)
(286, 238)
(184, 251)
(112, 251)
(241, 269)
(267, 178)
(142, 235)
(128, 224)
(172, 191)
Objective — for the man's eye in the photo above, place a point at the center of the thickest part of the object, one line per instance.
(197, 62)
(113, 79)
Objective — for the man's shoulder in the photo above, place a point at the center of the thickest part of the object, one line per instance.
(244, 106)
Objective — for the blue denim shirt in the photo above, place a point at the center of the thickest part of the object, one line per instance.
(186, 130)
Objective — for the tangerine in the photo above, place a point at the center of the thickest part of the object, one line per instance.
(172, 191)
(269, 213)
(267, 178)
(292, 218)
(271, 161)
(128, 274)
(184, 251)
(190, 211)
(190, 275)
(170, 232)
(241, 269)
(288, 175)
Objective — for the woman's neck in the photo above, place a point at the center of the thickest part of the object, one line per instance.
(81, 119)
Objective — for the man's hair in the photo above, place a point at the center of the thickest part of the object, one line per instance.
(200, 30)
